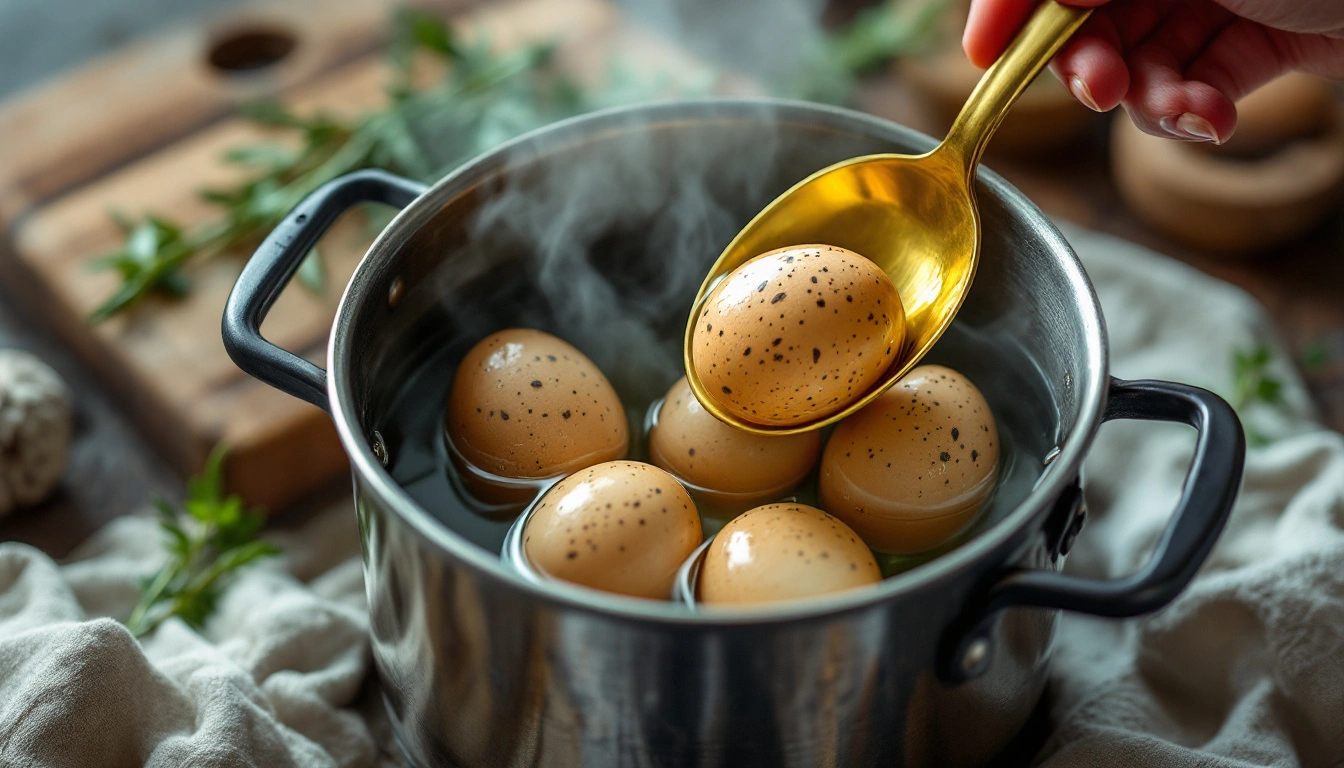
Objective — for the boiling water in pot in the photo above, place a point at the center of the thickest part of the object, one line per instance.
(605, 248)
(1007, 377)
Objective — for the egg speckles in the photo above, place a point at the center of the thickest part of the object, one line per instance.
(913, 467)
(797, 334)
(622, 527)
(525, 404)
(732, 470)
(784, 552)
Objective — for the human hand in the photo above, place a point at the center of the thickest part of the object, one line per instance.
(1177, 66)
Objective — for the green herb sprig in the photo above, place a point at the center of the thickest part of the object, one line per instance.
(1315, 356)
(483, 98)
(827, 71)
(885, 31)
(1252, 383)
(208, 542)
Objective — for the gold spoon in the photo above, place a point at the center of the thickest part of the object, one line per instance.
(915, 216)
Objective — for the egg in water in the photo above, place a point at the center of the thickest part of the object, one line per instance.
(797, 334)
(730, 470)
(622, 527)
(911, 469)
(525, 406)
(781, 552)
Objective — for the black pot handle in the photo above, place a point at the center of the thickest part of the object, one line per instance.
(275, 262)
(1210, 488)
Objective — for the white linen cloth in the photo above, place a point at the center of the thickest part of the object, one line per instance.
(1245, 668)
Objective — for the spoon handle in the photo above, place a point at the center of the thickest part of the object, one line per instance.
(1049, 27)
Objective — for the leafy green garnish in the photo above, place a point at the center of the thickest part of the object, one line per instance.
(483, 99)
(1315, 356)
(208, 541)
(826, 71)
(1252, 383)
(150, 258)
(881, 33)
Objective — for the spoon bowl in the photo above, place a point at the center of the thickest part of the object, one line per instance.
(914, 216)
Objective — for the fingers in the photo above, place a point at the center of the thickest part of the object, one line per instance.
(1243, 57)
(1092, 65)
(1163, 99)
(1317, 54)
(1135, 20)
(1162, 102)
(993, 23)
(1185, 30)
(1177, 66)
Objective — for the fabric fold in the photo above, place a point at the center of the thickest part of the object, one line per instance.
(265, 683)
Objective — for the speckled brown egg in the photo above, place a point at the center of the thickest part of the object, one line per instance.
(797, 334)
(731, 470)
(623, 527)
(913, 468)
(525, 404)
(784, 552)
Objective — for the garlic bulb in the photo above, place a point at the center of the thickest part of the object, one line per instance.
(35, 429)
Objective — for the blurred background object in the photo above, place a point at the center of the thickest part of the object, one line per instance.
(1278, 177)
(35, 429)
(40, 38)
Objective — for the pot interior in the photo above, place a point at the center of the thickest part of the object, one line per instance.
(600, 230)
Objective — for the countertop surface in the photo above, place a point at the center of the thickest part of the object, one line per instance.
(41, 38)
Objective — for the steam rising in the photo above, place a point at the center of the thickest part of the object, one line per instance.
(618, 241)
(602, 236)
(767, 40)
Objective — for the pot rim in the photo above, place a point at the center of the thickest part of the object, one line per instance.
(373, 477)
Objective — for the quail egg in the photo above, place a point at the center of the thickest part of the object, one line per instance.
(729, 469)
(622, 526)
(797, 334)
(911, 469)
(784, 552)
(526, 405)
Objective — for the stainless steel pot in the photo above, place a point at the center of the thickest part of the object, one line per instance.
(938, 665)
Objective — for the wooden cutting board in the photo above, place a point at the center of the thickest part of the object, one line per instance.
(144, 132)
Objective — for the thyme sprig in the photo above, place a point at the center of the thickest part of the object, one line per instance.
(208, 542)
(1253, 383)
(482, 99)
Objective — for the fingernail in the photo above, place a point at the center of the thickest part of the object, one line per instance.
(1198, 127)
(1081, 93)
(1190, 126)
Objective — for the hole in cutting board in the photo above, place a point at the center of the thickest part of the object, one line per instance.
(248, 49)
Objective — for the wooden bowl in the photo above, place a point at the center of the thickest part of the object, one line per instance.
(1293, 107)
(1278, 177)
